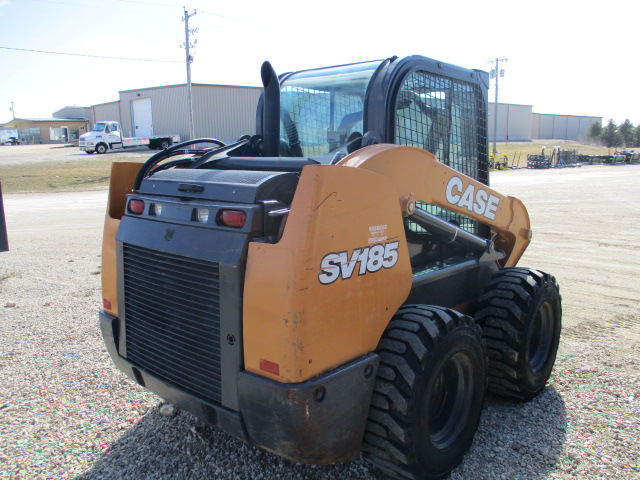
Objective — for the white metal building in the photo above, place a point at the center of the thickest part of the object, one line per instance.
(219, 111)
(514, 122)
(561, 127)
(517, 123)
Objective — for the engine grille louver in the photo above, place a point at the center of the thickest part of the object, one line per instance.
(172, 318)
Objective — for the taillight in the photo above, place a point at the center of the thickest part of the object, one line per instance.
(232, 218)
(136, 206)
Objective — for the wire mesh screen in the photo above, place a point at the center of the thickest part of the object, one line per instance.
(323, 119)
(446, 117)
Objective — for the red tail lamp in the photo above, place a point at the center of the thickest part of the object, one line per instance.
(136, 206)
(232, 218)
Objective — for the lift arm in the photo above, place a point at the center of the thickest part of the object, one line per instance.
(419, 176)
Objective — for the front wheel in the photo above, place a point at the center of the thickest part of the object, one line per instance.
(101, 148)
(428, 395)
(520, 314)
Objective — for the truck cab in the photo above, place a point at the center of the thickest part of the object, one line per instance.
(103, 136)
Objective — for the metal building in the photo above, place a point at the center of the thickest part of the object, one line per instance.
(219, 111)
(514, 122)
(105, 111)
(518, 123)
(561, 127)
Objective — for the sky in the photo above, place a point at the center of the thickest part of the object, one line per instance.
(564, 56)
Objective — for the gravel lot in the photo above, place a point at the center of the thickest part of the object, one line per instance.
(66, 412)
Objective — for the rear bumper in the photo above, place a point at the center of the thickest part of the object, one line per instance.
(318, 421)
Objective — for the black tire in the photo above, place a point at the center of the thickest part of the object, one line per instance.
(88, 152)
(101, 148)
(521, 315)
(428, 394)
(164, 144)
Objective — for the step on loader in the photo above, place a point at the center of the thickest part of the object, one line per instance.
(343, 281)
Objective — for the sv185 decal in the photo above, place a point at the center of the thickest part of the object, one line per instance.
(367, 259)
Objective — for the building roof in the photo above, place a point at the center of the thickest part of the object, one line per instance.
(184, 85)
(49, 119)
(43, 120)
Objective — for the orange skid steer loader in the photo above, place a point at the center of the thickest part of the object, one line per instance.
(342, 281)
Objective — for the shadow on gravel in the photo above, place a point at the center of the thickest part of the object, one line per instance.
(183, 447)
(514, 441)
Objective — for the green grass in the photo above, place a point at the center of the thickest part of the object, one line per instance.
(64, 176)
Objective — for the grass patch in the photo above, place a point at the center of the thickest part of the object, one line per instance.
(65, 176)
(94, 171)
(518, 151)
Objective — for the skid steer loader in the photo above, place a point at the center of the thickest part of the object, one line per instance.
(342, 281)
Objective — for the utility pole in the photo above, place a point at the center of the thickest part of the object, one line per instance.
(187, 45)
(13, 111)
(495, 73)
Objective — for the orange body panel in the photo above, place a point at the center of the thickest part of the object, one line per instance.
(306, 319)
(123, 175)
(295, 326)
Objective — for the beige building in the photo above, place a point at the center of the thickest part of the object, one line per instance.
(47, 130)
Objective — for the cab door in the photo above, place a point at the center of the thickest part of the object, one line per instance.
(113, 133)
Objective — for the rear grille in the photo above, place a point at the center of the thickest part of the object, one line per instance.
(172, 318)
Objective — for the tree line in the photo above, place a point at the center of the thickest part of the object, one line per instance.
(612, 135)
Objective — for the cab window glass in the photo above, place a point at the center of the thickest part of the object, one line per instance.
(443, 116)
(320, 109)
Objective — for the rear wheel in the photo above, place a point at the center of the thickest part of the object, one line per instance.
(164, 144)
(428, 396)
(520, 315)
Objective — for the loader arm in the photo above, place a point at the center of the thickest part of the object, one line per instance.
(419, 176)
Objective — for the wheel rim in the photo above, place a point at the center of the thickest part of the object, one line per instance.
(451, 400)
(541, 337)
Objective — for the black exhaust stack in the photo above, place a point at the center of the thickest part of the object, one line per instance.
(270, 111)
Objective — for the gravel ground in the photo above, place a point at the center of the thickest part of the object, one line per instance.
(66, 412)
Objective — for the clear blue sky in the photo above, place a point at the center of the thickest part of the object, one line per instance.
(565, 56)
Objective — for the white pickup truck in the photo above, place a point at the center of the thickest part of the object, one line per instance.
(107, 135)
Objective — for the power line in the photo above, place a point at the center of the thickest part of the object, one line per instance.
(91, 56)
